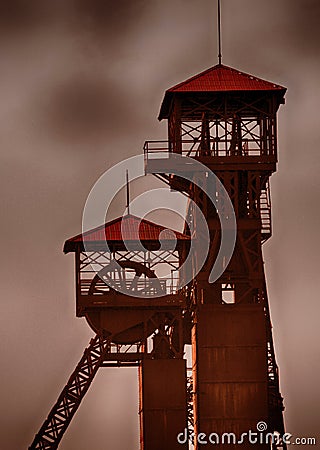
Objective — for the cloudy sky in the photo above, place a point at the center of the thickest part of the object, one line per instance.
(81, 84)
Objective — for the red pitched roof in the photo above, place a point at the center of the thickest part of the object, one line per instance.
(122, 228)
(224, 78)
(220, 78)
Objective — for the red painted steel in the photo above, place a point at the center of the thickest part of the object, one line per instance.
(219, 78)
(125, 228)
(222, 78)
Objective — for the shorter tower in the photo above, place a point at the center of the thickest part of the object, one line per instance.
(127, 288)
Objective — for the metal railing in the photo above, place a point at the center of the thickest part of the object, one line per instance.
(195, 148)
(143, 286)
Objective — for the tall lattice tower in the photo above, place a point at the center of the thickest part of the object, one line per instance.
(226, 119)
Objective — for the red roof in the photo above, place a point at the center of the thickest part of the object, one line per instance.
(220, 78)
(120, 229)
(224, 78)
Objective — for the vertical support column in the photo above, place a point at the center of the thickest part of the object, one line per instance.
(163, 403)
(230, 374)
(174, 128)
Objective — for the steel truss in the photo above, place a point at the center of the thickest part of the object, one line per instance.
(102, 352)
(55, 425)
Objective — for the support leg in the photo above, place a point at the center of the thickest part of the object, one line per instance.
(53, 428)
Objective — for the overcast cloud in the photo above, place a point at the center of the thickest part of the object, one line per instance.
(81, 85)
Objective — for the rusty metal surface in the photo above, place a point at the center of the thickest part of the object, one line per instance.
(163, 413)
(230, 368)
(121, 301)
(130, 326)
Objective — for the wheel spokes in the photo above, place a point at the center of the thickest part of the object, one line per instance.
(126, 277)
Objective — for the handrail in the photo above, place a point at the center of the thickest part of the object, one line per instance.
(224, 147)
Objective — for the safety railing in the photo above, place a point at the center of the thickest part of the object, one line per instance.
(195, 148)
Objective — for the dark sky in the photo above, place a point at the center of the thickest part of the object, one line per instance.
(81, 85)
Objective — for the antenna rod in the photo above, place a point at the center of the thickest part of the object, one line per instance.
(219, 32)
(128, 192)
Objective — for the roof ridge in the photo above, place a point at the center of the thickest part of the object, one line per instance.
(194, 77)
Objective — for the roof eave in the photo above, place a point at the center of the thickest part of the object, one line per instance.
(72, 247)
(165, 106)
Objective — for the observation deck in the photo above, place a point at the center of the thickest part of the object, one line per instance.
(218, 155)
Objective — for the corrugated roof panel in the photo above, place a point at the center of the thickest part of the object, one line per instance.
(125, 228)
(219, 78)
(224, 78)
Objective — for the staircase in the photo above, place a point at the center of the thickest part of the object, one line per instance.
(265, 214)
